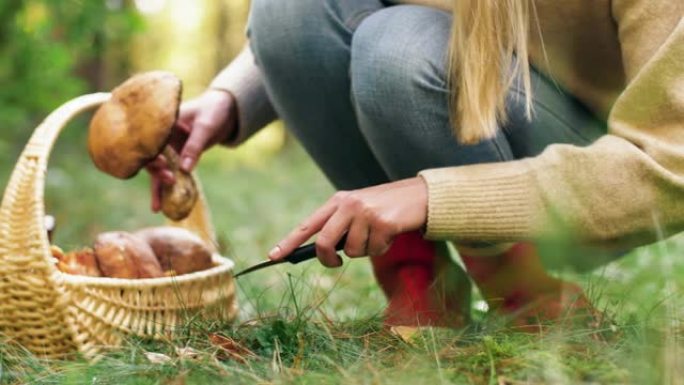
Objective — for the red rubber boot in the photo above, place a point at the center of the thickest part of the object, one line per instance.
(515, 284)
(423, 286)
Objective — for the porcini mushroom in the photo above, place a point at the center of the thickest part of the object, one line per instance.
(134, 127)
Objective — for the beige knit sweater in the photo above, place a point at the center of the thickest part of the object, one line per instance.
(622, 58)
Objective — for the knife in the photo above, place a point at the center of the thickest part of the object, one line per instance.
(300, 254)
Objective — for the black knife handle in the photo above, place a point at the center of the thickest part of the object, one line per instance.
(306, 252)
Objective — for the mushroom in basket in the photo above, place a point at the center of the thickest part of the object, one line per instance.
(134, 127)
(152, 252)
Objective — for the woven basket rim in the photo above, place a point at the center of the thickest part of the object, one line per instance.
(224, 265)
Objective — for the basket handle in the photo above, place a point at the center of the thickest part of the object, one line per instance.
(22, 209)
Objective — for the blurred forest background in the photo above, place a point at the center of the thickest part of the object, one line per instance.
(51, 51)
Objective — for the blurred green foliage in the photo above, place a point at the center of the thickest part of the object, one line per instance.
(47, 51)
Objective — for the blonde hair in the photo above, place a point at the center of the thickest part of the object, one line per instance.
(488, 54)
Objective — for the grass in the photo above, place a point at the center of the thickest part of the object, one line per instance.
(309, 325)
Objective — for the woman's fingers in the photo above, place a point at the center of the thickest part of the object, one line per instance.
(330, 235)
(155, 192)
(188, 110)
(198, 140)
(306, 230)
(378, 242)
(179, 135)
(209, 126)
(357, 238)
(159, 168)
(159, 175)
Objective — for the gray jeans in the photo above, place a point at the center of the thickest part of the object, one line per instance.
(363, 86)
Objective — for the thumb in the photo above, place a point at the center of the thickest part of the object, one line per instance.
(193, 148)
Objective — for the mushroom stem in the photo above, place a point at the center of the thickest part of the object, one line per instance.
(178, 199)
(172, 158)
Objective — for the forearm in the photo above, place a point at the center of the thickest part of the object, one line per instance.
(242, 79)
(624, 190)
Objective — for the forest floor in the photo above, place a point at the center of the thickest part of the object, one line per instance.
(307, 324)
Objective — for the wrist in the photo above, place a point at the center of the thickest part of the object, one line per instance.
(424, 203)
(227, 101)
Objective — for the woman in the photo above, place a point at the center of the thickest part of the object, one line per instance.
(505, 123)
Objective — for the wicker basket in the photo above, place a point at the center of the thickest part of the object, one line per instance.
(54, 314)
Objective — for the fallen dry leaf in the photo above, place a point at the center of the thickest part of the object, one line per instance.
(231, 349)
(187, 353)
(405, 333)
(157, 358)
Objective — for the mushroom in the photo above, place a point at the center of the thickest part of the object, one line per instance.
(123, 255)
(134, 127)
(177, 249)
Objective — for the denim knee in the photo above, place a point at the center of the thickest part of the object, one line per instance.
(274, 26)
(398, 54)
(304, 29)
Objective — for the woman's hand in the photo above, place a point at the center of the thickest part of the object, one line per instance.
(202, 122)
(371, 217)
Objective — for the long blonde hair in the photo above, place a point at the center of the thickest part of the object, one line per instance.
(488, 54)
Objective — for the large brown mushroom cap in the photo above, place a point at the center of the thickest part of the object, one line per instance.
(134, 126)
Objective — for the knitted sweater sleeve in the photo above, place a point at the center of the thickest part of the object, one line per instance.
(243, 80)
(626, 189)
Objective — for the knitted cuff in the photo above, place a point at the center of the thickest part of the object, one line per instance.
(494, 203)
